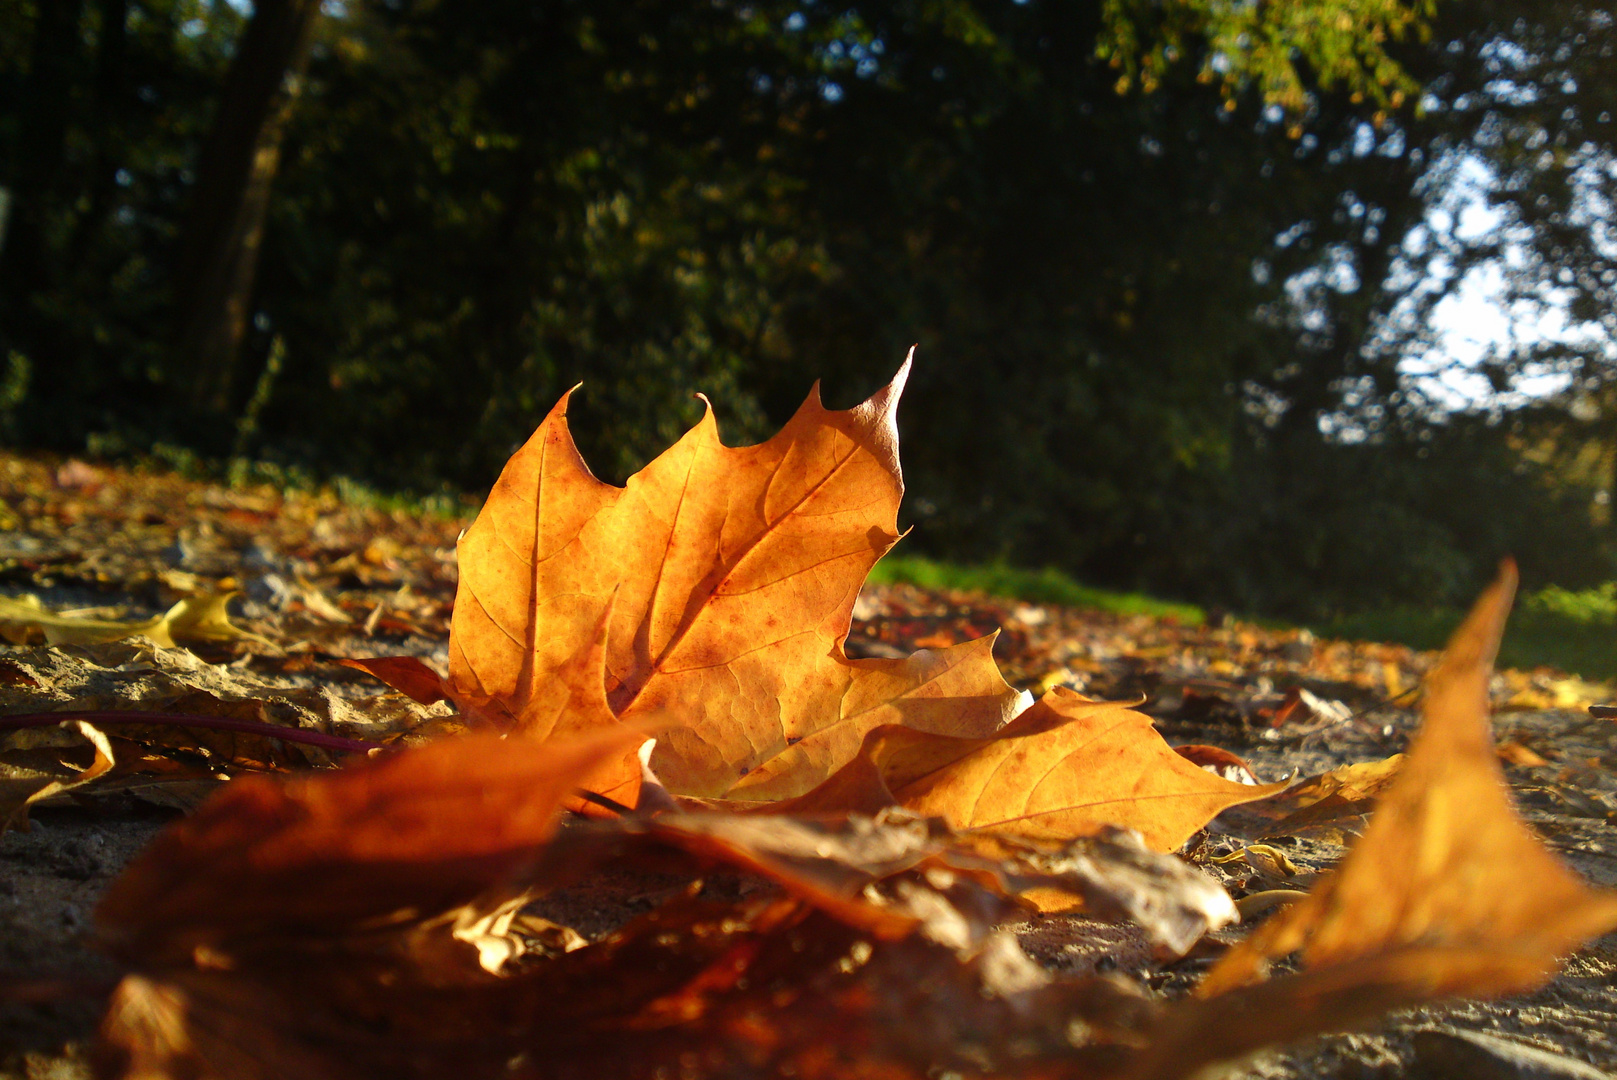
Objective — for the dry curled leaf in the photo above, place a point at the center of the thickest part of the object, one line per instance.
(761, 987)
(136, 676)
(1447, 893)
(1353, 783)
(283, 933)
(22, 786)
(1331, 800)
(1114, 877)
(833, 862)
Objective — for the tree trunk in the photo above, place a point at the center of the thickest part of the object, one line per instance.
(46, 98)
(108, 132)
(218, 250)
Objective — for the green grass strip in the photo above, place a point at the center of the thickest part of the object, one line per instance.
(1575, 632)
(1047, 586)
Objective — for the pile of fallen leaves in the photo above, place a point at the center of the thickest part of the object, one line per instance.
(314, 575)
(654, 683)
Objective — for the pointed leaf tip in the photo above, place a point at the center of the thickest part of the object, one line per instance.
(1443, 863)
(1475, 644)
(884, 402)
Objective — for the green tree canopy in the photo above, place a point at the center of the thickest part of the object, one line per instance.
(1164, 261)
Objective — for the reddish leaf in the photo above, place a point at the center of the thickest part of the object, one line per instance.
(1218, 761)
(389, 840)
(406, 674)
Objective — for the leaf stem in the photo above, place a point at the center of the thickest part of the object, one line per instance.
(215, 723)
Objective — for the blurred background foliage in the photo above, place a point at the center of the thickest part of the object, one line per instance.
(1168, 264)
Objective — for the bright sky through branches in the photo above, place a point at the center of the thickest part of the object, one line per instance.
(1480, 318)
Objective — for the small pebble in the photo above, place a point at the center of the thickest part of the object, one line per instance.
(79, 860)
(178, 553)
(1470, 1055)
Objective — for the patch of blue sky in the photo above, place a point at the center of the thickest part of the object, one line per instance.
(1487, 312)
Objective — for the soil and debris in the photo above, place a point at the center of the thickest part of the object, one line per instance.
(317, 578)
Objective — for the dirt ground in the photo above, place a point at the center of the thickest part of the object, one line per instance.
(322, 579)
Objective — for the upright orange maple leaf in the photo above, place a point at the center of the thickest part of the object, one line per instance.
(725, 578)
(710, 597)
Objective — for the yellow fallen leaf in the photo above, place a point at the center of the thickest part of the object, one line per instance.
(204, 618)
(1363, 780)
(201, 618)
(26, 613)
